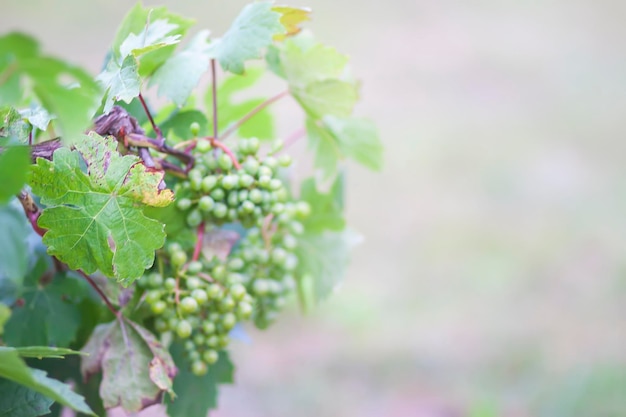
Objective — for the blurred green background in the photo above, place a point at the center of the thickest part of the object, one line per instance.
(491, 281)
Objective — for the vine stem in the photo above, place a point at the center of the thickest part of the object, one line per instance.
(100, 293)
(199, 241)
(156, 128)
(232, 128)
(293, 138)
(214, 94)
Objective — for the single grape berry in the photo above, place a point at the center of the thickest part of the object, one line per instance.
(188, 305)
(194, 128)
(206, 204)
(183, 204)
(178, 259)
(208, 327)
(203, 146)
(184, 329)
(194, 218)
(208, 183)
(210, 356)
(158, 307)
(199, 368)
(225, 162)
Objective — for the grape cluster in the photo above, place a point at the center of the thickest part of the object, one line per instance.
(200, 301)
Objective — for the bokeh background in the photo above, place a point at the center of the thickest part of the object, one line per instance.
(492, 278)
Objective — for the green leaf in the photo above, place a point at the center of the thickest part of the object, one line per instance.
(121, 82)
(14, 163)
(66, 91)
(135, 22)
(252, 30)
(327, 97)
(95, 219)
(136, 369)
(179, 124)
(45, 352)
(324, 258)
(197, 394)
(37, 116)
(326, 208)
(154, 36)
(13, 126)
(180, 74)
(13, 246)
(333, 139)
(51, 318)
(13, 368)
(261, 125)
(305, 61)
(5, 313)
(18, 401)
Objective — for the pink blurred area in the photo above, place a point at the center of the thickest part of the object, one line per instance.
(491, 281)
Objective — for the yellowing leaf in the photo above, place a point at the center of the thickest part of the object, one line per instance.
(290, 18)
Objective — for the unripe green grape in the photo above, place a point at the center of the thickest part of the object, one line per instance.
(208, 327)
(214, 317)
(279, 255)
(199, 339)
(253, 145)
(220, 210)
(256, 196)
(251, 166)
(265, 171)
(291, 262)
(206, 203)
(228, 321)
(277, 145)
(303, 209)
(270, 162)
(242, 195)
(246, 180)
(289, 283)
(158, 307)
(172, 322)
(214, 292)
(281, 195)
(275, 184)
(189, 346)
(262, 256)
(213, 341)
(235, 264)
(223, 341)
(210, 161)
(208, 183)
(284, 160)
(183, 329)
(225, 162)
(203, 146)
(233, 199)
(194, 267)
(194, 321)
(267, 197)
(193, 283)
(153, 296)
(261, 287)
(232, 214)
(195, 173)
(219, 272)
(237, 291)
(178, 259)
(210, 356)
(234, 278)
(194, 355)
(226, 304)
(289, 242)
(247, 207)
(174, 247)
(183, 204)
(195, 184)
(248, 255)
(155, 280)
(200, 296)
(169, 283)
(296, 227)
(264, 181)
(194, 218)
(244, 310)
(188, 305)
(194, 128)
(160, 325)
(199, 368)
(278, 208)
(229, 182)
(275, 287)
(218, 194)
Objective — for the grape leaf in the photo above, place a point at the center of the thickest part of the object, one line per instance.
(179, 122)
(136, 21)
(333, 138)
(18, 401)
(252, 30)
(231, 110)
(121, 81)
(305, 61)
(13, 368)
(154, 36)
(5, 313)
(200, 393)
(45, 352)
(136, 369)
(50, 317)
(13, 245)
(326, 208)
(290, 18)
(180, 74)
(327, 97)
(64, 90)
(95, 220)
(324, 258)
(14, 163)
(37, 116)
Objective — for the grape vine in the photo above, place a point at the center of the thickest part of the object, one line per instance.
(148, 239)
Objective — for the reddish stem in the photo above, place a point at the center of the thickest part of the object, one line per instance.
(232, 128)
(217, 144)
(100, 293)
(199, 242)
(154, 126)
(214, 94)
(293, 138)
(265, 231)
